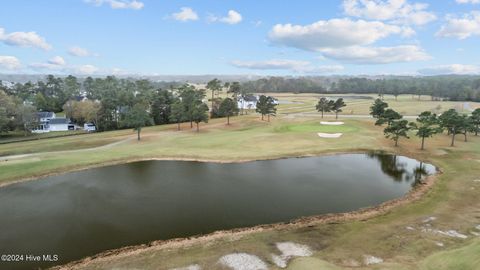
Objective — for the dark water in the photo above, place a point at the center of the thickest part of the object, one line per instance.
(83, 213)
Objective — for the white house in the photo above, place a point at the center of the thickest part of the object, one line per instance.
(247, 102)
(43, 121)
(250, 102)
(48, 121)
(60, 124)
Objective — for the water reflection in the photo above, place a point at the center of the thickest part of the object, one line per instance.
(83, 213)
(399, 167)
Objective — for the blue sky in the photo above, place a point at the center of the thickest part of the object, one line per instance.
(96, 37)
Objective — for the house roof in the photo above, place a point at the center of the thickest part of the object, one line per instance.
(250, 98)
(59, 121)
(45, 114)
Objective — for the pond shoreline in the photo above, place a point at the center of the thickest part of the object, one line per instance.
(71, 169)
(414, 194)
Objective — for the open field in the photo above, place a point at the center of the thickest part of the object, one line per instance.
(405, 237)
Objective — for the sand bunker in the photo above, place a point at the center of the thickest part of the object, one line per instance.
(331, 123)
(290, 250)
(330, 135)
(243, 261)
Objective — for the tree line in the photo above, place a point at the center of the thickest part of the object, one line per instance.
(111, 103)
(426, 125)
(454, 88)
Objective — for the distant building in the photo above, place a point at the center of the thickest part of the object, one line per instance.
(60, 124)
(89, 127)
(43, 121)
(250, 102)
(48, 121)
(247, 102)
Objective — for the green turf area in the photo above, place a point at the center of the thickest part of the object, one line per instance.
(316, 127)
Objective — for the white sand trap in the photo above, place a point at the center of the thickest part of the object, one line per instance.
(190, 267)
(477, 227)
(369, 260)
(243, 261)
(331, 123)
(290, 250)
(330, 135)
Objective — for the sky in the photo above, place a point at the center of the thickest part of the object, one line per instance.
(268, 37)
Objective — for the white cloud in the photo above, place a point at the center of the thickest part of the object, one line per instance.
(56, 63)
(334, 33)
(457, 69)
(78, 51)
(118, 4)
(86, 69)
(272, 64)
(377, 55)
(398, 11)
(233, 17)
(468, 1)
(24, 39)
(57, 60)
(9, 62)
(185, 14)
(285, 64)
(461, 28)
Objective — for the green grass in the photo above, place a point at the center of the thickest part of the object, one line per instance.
(316, 127)
(463, 258)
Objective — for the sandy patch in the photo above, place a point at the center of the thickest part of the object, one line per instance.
(190, 267)
(279, 261)
(475, 233)
(450, 233)
(290, 250)
(330, 135)
(243, 261)
(440, 244)
(477, 227)
(369, 260)
(331, 123)
(410, 228)
(429, 219)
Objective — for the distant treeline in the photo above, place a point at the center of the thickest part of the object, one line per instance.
(455, 88)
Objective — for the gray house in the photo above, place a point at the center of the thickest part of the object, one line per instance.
(60, 124)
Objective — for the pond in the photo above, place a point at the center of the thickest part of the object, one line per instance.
(83, 213)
